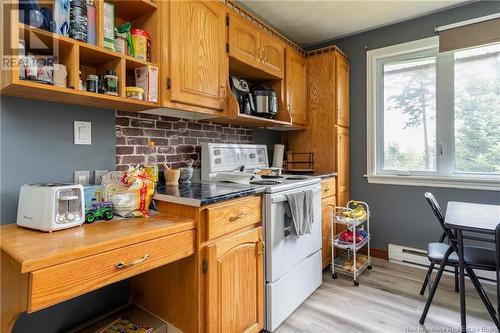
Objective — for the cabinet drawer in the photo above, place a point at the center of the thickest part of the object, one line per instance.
(327, 187)
(233, 216)
(58, 283)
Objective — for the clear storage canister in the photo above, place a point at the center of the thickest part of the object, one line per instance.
(135, 93)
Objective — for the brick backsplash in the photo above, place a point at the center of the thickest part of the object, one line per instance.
(177, 140)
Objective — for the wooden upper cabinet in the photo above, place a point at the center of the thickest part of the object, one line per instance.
(244, 41)
(273, 55)
(343, 171)
(235, 284)
(342, 90)
(198, 62)
(250, 45)
(296, 86)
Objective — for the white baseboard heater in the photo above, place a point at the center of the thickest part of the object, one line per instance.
(418, 258)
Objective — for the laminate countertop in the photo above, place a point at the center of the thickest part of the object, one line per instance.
(198, 194)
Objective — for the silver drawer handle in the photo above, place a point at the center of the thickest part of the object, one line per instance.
(122, 265)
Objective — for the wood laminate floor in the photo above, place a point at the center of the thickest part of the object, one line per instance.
(387, 300)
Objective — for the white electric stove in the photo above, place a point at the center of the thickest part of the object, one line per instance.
(292, 264)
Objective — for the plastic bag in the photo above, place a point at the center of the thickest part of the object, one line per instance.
(130, 192)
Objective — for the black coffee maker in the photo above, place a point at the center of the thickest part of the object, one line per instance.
(241, 90)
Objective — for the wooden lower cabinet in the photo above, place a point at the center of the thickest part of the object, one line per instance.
(220, 288)
(327, 206)
(235, 284)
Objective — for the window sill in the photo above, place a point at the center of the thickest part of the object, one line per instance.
(463, 183)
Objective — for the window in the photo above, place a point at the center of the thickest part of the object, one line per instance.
(434, 118)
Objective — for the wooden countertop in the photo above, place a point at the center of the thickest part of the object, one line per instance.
(34, 250)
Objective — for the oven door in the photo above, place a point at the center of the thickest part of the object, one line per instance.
(284, 251)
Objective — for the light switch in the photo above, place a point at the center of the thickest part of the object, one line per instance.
(82, 133)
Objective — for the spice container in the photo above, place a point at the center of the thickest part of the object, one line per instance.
(121, 43)
(111, 83)
(135, 93)
(78, 20)
(92, 83)
(142, 44)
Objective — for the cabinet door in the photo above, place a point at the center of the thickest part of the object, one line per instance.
(235, 284)
(273, 59)
(343, 172)
(244, 41)
(296, 86)
(327, 205)
(198, 61)
(342, 91)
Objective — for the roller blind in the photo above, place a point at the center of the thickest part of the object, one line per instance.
(469, 35)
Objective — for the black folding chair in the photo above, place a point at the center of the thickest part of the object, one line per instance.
(443, 254)
(439, 214)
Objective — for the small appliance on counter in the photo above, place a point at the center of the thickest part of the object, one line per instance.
(241, 90)
(51, 206)
(266, 102)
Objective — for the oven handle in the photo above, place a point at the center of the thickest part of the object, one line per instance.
(281, 198)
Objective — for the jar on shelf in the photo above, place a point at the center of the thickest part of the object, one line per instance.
(135, 93)
(111, 83)
(142, 44)
(92, 83)
(121, 43)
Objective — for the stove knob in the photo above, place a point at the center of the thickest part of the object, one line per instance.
(70, 217)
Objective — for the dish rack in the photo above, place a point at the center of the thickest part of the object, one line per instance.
(350, 262)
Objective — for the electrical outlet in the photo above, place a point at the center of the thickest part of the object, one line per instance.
(98, 174)
(81, 177)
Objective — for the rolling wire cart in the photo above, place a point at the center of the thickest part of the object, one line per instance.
(350, 262)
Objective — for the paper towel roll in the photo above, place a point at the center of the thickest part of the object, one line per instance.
(279, 151)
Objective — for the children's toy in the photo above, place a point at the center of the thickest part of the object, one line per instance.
(99, 211)
(355, 216)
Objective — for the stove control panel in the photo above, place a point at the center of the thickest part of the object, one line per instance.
(219, 157)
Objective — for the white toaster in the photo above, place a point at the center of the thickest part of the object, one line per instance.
(51, 206)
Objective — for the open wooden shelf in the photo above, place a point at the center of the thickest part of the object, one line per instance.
(234, 117)
(77, 56)
(131, 9)
(40, 91)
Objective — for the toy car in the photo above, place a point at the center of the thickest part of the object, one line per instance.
(99, 211)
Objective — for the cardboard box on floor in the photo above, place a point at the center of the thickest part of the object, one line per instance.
(131, 312)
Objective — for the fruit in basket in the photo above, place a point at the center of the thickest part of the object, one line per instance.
(358, 213)
(360, 261)
(347, 236)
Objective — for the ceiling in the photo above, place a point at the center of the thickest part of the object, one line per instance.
(310, 22)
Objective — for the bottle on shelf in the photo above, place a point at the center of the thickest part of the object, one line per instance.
(78, 23)
(91, 22)
(151, 164)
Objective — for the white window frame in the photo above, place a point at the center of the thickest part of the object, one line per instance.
(444, 175)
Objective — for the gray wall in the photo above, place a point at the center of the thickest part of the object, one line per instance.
(400, 214)
(36, 145)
